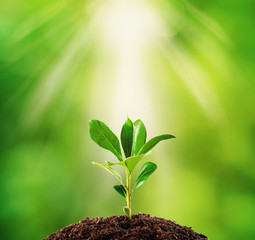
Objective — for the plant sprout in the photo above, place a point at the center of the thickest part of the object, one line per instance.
(135, 148)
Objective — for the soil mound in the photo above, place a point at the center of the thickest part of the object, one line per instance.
(141, 226)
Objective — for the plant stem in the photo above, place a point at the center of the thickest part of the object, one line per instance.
(128, 197)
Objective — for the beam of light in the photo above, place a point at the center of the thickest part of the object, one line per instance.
(197, 81)
(43, 64)
(34, 21)
(128, 28)
(209, 23)
(188, 68)
(127, 31)
(57, 75)
(29, 27)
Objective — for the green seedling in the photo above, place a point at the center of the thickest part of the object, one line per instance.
(135, 148)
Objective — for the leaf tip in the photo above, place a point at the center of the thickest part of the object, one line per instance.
(91, 121)
(126, 117)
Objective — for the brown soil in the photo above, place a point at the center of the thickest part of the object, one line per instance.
(141, 226)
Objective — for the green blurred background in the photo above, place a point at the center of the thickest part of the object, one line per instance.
(183, 67)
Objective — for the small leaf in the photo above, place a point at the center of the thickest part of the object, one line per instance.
(104, 137)
(130, 162)
(153, 142)
(147, 169)
(139, 136)
(109, 169)
(121, 190)
(127, 211)
(127, 137)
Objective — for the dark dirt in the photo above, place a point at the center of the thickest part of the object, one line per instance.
(141, 226)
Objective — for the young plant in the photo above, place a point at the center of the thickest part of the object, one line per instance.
(135, 148)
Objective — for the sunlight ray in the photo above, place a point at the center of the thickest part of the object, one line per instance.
(57, 28)
(197, 81)
(31, 23)
(209, 23)
(53, 80)
(128, 29)
(45, 62)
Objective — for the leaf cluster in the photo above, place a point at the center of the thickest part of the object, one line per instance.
(135, 148)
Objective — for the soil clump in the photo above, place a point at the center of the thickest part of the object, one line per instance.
(141, 226)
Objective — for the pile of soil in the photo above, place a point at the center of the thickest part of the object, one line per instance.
(141, 226)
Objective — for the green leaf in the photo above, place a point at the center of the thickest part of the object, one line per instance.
(139, 136)
(153, 142)
(121, 190)
(130, 162)
(109, 169)
(147, 169)
(127, 211)
(127, 137)
(104, 137)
